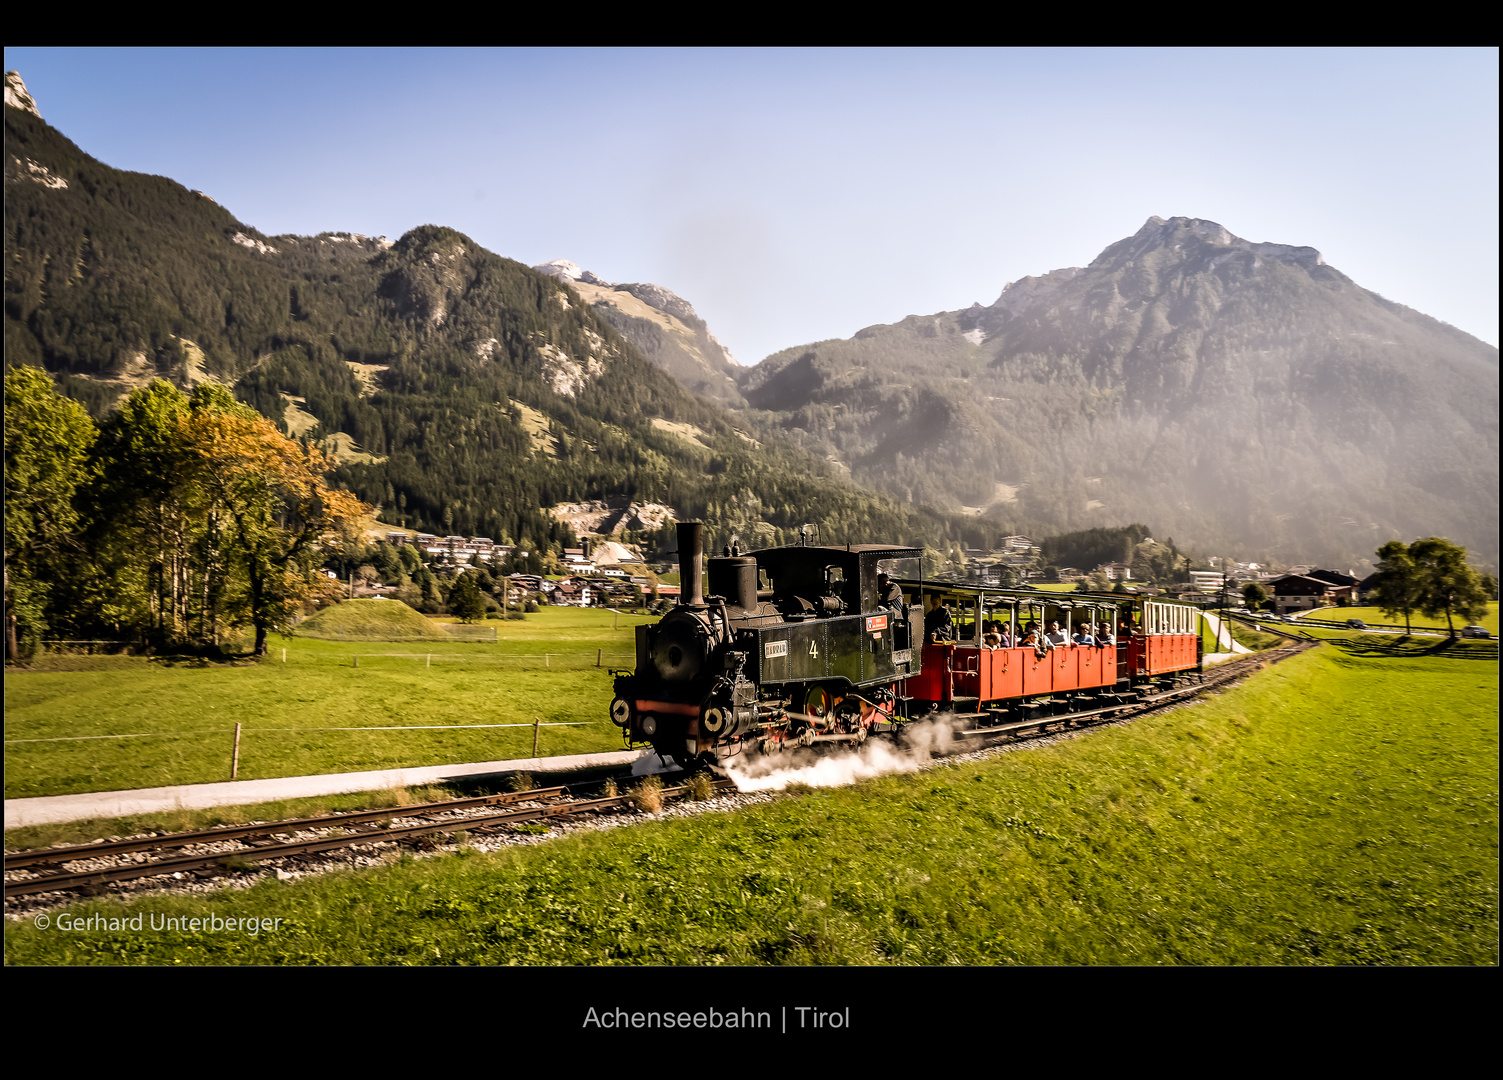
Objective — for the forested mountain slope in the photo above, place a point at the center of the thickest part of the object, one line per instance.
(474, 389)
(1238, 394)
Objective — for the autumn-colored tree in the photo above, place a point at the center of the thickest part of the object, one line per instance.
(275, 503)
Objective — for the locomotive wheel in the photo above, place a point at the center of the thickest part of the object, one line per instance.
(817, 701)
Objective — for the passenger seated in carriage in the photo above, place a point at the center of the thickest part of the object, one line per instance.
(1056, 636)
(991, 636)
(1084, 634)
(1004, 631)
(1030, 636)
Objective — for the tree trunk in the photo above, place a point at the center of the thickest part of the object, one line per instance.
(12, 646)
(258, 605)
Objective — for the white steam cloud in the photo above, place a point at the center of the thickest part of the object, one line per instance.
(921, 742)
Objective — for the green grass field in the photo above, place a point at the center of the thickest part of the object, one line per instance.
(1417, 621)
(541, 667)
(1338, 808)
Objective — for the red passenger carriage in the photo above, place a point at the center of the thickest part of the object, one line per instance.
(1136, 641)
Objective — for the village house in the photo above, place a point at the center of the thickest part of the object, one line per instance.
(1299, 592)
(1207, 580)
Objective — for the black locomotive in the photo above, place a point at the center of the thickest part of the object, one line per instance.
(792, 646)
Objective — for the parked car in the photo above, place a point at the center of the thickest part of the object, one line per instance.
(1356, 624)
(1475, 631)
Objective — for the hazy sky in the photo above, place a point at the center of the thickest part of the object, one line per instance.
(797, 195)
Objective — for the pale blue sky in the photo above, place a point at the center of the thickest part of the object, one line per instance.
(796, 195)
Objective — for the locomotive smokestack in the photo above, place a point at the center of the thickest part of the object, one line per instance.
(691, 562)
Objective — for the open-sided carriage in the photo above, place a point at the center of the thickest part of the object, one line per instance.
(1135, 642)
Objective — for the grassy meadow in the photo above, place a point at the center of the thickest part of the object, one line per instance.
(1373, 616)
(543, 667)
(1337, 808)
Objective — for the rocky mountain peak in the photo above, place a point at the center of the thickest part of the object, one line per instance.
(1192, 236)
(664, 300)
(568, 271)
(16, 95)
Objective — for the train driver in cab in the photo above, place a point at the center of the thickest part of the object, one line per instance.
(938, 626)
(889, 595)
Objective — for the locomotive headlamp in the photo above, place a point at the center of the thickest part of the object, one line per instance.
(649, 726)
(713, 721)
(620, 712)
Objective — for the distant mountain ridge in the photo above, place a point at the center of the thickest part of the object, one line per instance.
(1240, 394)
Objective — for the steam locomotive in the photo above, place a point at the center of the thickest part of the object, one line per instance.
(797, 645)
(791, 647)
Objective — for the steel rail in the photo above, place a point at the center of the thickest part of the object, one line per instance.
(69, 853)
(77, 879)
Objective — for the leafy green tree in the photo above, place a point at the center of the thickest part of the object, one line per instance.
(1396, 590)
(47, 441)
(466, 600)
(1447, 585)
(1254, 596)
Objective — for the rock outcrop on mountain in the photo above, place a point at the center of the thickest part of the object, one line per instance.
(663, 325)
(1242, 395)
(16, 95)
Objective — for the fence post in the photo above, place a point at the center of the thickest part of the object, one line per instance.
(357, 659)
(284, 654)
(536, 720)
(546, 661)
(235, 758)
(598, 653)
(616, 619)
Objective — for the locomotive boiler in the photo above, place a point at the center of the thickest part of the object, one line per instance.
(791, 646)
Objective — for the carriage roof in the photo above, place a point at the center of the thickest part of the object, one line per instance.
(995, 593)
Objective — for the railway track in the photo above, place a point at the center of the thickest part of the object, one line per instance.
(260, 843)
(47, 868)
